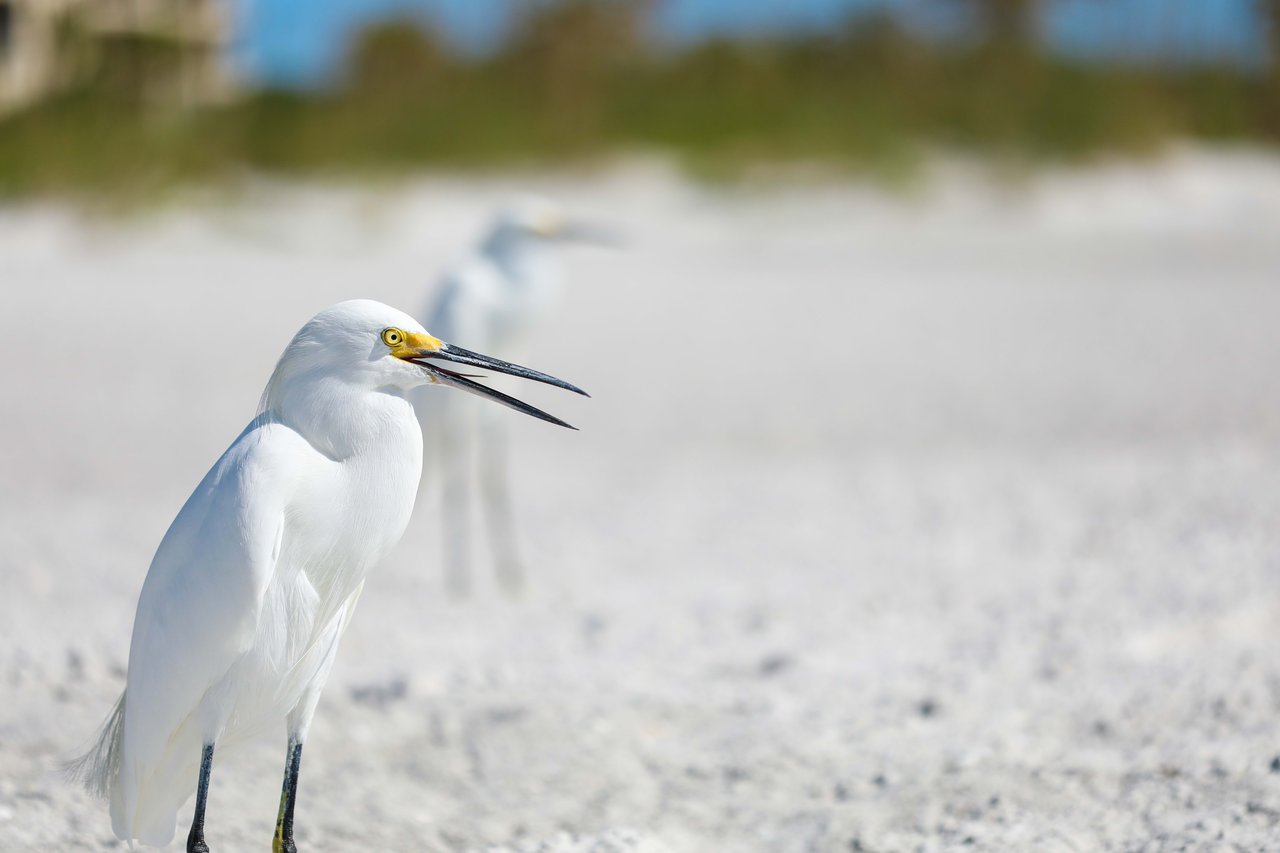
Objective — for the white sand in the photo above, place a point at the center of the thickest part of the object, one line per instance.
(947, 521)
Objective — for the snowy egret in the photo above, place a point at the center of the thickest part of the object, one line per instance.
(493, 299)
(251, 588)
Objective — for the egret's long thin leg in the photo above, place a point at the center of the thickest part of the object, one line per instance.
(455, 470)
(499, 515)
(283, 840)
(195, 838)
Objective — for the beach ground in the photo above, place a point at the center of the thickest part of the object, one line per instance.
(942, 520)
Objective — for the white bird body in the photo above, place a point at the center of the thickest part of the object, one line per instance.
(495, 299)
(230, 639)
(255, 581)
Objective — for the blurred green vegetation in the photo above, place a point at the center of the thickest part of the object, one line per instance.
(578, 80)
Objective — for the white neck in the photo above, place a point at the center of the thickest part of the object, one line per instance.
(343, 420)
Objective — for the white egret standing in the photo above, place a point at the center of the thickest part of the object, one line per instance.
(493, 299)
(252, 586)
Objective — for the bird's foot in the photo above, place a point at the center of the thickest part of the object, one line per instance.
(280, 844)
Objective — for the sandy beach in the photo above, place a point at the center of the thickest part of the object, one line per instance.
(940, 520)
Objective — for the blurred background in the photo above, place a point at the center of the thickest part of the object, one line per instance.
(139, 94)
(929, 494)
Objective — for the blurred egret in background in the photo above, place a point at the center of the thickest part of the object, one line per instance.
(494, 299)
(251, 589)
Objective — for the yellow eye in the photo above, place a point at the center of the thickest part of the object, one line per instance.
(392, 337)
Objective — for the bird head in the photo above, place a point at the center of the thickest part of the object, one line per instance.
(370, 344)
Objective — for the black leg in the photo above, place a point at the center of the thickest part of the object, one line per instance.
(195, 838)
(283, 841)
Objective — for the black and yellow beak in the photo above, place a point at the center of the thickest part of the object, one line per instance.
(427, 352)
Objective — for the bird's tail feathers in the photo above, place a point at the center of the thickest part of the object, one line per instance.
(98, 768)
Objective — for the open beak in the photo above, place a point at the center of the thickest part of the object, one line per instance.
(428, 358)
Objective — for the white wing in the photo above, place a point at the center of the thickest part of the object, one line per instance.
(197, 614)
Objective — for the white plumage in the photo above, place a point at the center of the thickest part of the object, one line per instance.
(254, 583)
